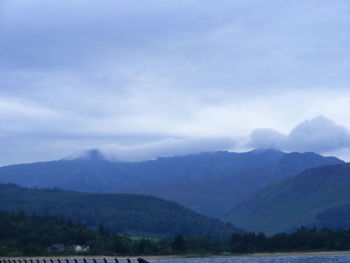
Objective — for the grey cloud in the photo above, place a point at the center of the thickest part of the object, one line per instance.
(177, 69)
(38, 34)
(267, 138)
(166, 148)
(319, 134)
(232, 44)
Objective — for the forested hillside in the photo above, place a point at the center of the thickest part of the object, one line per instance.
(22, 234)
(121, 213)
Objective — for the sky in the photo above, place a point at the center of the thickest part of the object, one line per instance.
(144, 79)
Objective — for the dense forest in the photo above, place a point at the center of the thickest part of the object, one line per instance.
(130, 214)
(304, 239)
(34, 235)
(21, 234)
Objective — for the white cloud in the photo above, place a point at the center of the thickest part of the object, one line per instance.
(267, 138)
(318, 135)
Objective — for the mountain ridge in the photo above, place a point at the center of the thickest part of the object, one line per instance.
(209, 183)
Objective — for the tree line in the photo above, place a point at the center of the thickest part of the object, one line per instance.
(39, 235)
(303, 239)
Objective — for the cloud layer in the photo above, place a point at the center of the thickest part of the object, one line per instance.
(318, 134)
(167, 148)
(137, 74)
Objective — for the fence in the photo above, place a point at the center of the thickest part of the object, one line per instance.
(70, 260)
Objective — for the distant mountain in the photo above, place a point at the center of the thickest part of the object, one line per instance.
(122, 213)
(318, 196)
(215, 196)
(92, 172)
(209, 183)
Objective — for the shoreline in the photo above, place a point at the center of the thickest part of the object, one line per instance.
(189, 256)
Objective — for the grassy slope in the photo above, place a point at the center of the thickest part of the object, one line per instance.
(294, 201)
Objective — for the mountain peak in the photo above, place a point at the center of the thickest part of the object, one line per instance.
(266, 150)
(92, 155)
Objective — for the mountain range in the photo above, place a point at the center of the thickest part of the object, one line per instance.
(216, 196)
(209, 183)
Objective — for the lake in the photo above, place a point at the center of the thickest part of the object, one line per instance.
(283, 259)
(335, 258)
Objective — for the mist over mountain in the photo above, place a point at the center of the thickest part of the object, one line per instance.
(319, 134)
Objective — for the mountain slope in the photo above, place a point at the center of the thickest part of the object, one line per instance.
(295, 201)
(216, 196)
(337, 217)
(122, 213)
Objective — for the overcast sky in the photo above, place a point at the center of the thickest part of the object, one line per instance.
(142, 79)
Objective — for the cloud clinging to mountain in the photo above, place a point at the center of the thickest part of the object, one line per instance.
(166, 148)
(319, 134)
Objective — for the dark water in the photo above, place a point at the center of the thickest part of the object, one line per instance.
(284, 259)
(287, 259)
